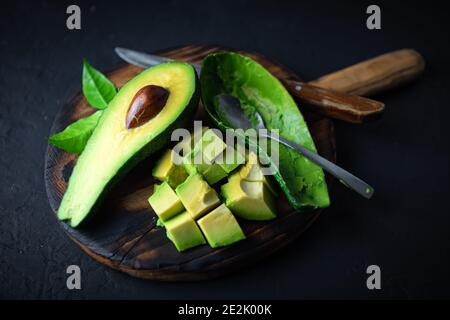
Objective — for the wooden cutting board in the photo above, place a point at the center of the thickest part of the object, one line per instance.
(122, 233)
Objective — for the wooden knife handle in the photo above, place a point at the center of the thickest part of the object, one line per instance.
(375, 75)
(365, 78)
(334, 104)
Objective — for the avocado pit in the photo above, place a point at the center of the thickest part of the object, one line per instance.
(146, 104)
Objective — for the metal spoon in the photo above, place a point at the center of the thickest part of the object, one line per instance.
(229, 109)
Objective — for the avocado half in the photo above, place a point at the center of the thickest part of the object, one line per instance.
(115, 147)
(302, 181)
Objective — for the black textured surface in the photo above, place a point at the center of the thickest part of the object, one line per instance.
(405, 155)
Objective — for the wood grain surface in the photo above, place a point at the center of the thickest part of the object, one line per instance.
(122, 233)
(378, 74)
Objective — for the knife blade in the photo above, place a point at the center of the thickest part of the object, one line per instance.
(146, 60)
(330, 103)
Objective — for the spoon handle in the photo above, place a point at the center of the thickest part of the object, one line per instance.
(344, 176)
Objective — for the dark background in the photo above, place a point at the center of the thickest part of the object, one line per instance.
(404, 155)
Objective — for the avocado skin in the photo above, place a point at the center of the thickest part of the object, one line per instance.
(158, 143)
(302, 181)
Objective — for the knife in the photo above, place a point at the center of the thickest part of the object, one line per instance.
(146, 60)
(329, 103)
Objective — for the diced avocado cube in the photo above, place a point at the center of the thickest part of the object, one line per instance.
(164, 166)
(166, 170)
(185, 146)
(211, 145)
(201, 162)
(211, 172)
(159, 223)
(220, 227)
(177, 176)
(197, 196)
(214, 173)
(252, 171)
(250, 200)
(195, 162)
(230, 159)
(189, 166)
(184, 232)
(165, 202)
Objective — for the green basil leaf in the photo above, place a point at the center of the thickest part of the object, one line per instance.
(75, 136)
(97, 88)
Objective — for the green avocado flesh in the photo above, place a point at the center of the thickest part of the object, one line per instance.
(248, 193)
(212, 158)
(197, 196)
(184, 232)
(166, 169)
(251, 200)
(302, 181)
(113, 149)
(165, 202)
(220, 227)
(252, 172)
